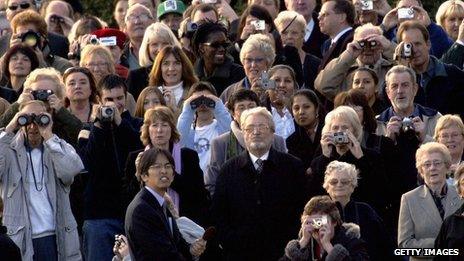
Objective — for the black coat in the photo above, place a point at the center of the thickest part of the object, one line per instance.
(379, 241)
(148, 231)
(329, 53)
(300, 145)
(371, 185)
(256, 215)
(8, 249)
(316, 39)
(193, 196)
(310, 68)
(137, 80)
(451, 235)
(59, 45)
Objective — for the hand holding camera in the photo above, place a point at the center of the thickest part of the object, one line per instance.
(327, 143)
(390, 20)
(394, 126)
(106, 114)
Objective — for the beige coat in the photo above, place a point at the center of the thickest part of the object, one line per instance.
(63, 164)
(420, 221)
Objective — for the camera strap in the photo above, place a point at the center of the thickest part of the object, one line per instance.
(38, 186)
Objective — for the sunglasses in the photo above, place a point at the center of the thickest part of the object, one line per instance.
(22, 6)
(216, 45)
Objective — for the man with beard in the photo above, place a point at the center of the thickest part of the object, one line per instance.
(258, 194)
(406, 123)
(365, 50)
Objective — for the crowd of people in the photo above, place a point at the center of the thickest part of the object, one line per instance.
(289, 130)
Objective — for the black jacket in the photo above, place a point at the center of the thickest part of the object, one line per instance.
(316, 39)
(8, 249)
(451, 235)
(193, 196)
(329, 53)
(59, 45)
(149, 234)
(104, 154)
(300, 145)
(256, 215)
(223, 76)
(137, 80)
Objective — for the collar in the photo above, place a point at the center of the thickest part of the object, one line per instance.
(285, 111)
(435, 68)
(158, 197)
(254, 158)
(443, 191)
(309, 29)
(419, 110)
(237, 132)
(340, 34)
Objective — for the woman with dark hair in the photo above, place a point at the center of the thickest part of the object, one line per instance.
(306, 110)
(173, 73)
(18, 62)
(188, 190)
(324, 236)
(366, 80)
(81, 92)
(213, 65)
(149, 98)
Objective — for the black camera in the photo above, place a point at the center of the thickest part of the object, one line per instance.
(202, 100)
(407, 50)
(31, 39)
(27, 119)
(107, 113)
(94, 40)
(192, 27)
(41, 95)
(407, 125)
(366, 43)
(341, 138)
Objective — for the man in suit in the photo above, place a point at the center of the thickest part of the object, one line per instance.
(336, 19)
(424, 208)
(151, 230)
(231, 143)
(259, 194)
(313, 37)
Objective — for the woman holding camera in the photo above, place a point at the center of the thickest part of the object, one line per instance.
(173, 73)
(80, 91)
(18, 62)
(324, 236)
(341, 140)
(340, 181)
(156, 36)
(188, 190)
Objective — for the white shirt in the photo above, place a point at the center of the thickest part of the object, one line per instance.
(254, 158)
(41, 213)
(309, 29)
(202, 142)
(158, 197)
(177, 91)
(335, 39)
(284, 125)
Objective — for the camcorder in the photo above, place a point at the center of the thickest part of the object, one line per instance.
(41, 95)
(202, 100)
(107, 113)
(405, 13)
(27, 119)
(31, 38)
(365, 44)
(407, 50)
(341, 138)
(367, 5)
(266, 82)
(319, 222)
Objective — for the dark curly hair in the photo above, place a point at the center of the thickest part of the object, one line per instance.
(19, 48)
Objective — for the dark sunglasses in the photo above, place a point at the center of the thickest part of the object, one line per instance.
(22, 6)
(216, 45)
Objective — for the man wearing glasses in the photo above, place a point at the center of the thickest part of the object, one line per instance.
(258, 194)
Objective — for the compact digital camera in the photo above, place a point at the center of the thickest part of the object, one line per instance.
(405, 13)
(407, 50)
(266, 82)
(341, 138)
(319, 222)
(367, 5)
(107, 113)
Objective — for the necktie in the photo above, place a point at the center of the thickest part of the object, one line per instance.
(168, 219)
(259, 163)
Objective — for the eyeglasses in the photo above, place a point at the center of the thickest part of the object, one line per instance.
(344, 182)
(216, 45)
(99, 65)
(255, 60)
(22, 6)
(261, 128)
(56, 19)
(446, 136)
(158, 167)
(435, 163)
(133, 18)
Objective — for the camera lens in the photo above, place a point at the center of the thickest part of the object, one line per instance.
(108, 111)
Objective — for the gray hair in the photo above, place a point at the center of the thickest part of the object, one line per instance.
(285, 17)
(365, 27)
(259, 42)
(257, 111)
(432, 147)
(347, 113)
(342, 167)
(401, 69)
(135, 6)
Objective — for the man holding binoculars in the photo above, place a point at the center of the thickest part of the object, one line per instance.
(37, 169)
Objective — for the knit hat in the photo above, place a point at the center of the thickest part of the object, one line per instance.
(111, 37)
(169, 7)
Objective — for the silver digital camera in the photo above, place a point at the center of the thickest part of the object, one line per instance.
(107, 113)
(341, 138)
(319, 222)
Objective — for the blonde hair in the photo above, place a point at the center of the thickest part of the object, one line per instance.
(432, 147)
(341, 167)
(347, 113)
(257, 111)
(457, 176)
(100, 50)
(160, 30)
(48, 73)
(259, 42)
(284, 18)
(447, 121)
(447, 9)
